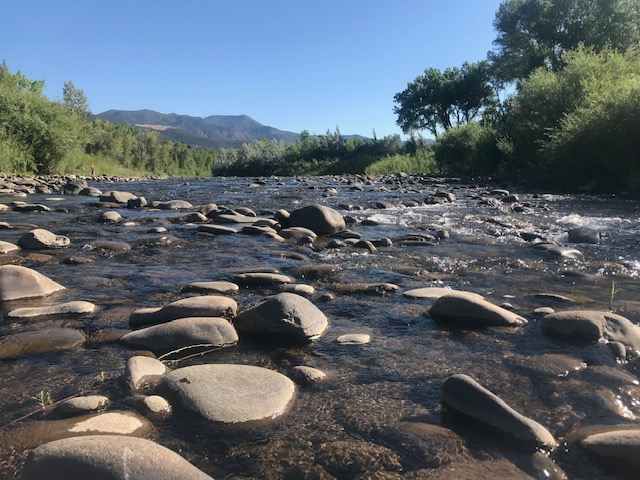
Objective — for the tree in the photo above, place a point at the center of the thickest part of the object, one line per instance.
(74, 98)
(439, 100)
(537, 33)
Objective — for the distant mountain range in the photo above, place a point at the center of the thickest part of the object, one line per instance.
(215, 131)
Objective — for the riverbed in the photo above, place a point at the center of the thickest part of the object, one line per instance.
(371, 387)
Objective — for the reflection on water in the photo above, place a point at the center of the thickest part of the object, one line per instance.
(398, 375)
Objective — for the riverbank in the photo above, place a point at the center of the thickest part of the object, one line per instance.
(365, 382)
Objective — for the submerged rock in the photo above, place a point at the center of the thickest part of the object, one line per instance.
(284, 315)
(317, 218)
(346, 458)
(619, 446)
(184, 332)
(434, 293)
(200, 306)
(470, 311)
(464, 395)
(308, 375)
(232, 394)
(40, 341)
(82, 405)
(69, 308)
(40, 238)
(108, 457)
(354, 339)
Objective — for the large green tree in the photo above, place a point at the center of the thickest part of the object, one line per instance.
(537, 33)
(74, 98)
(438, 100)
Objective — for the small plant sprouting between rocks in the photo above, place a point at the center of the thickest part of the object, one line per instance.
(44, 399)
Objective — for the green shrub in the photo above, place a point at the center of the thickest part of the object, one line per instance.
(421, 162)
(467, 150)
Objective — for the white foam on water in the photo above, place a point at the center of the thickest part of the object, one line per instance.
(598, 223)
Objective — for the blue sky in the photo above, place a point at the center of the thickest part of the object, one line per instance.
(290, 64)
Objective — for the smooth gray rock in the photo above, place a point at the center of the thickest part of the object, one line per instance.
(354, 339)
(308, 375)
(172, 205)
(317, 218)
(6, 247)
(154, 407)
(69, 308)
(284, 315)
(434, 293)
(463, 394)
(232, 394)
(591, 326)
(110, 217)
(262, 279)
(200, 306)
(466, 309)
(82, 405)
(108, 457)
(218, 287)
(40, 341)
(39, 239)
(619, 446)
(184, 332)
(298, 288)
(144, 372)
(117, 197)
(216, 229)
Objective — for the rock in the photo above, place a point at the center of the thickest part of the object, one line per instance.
(553, 298)
(153, 406)
(434, 293)
(620, 447)
(367, 288)
(558, 251)
(144, 372)
(299, 288)
(41, 239)
(31, 207)
(111, 246)
(40, 341)
(232, 395)
(470, 311)
(317, 218)
(308, 375)
(184, 332)
(216, 229)
(31, 434)
(233, 218)
(69, 308)
(172, 205)
(284, 315)
(201, 306)
(423, 444)
(547, 364)
(584, 235)
(110, 217)
(117, 197)
(138, 202)
(108, 457)
(354, 339)
(90, 192)
(591, 326)
(6, 247)
(219, 287)
(193, 217)
(464, 395)
(347, 458)
(297, 232)
(262, 279)
(544, 310)
(82, 405)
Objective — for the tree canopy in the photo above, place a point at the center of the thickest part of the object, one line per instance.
(537, 33)
(438, 100)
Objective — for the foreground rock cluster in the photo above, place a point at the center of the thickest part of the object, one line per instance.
(176, 369)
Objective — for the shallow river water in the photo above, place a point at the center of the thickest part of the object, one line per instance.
(370, 387)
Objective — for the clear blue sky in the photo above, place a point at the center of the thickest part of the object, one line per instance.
(290, 64)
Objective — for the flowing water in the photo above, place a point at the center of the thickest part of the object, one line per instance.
(399, 374)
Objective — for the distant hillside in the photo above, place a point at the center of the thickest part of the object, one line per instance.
(215, 131)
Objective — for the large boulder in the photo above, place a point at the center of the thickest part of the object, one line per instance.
(117, 197)
(200, 306)
(232, 395)
(184, 332)
(108, 457)
(40, 238)
(17, 282)
(40, 341)
(467, 310)
(284, 315)
(591, 326)
(317, 218)
(617, 446)
(463, 394)
(144, 372)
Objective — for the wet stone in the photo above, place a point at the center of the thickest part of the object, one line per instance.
(218, 287)
(82, 405)
(232, 395)
(469, 311)
(351, 457)
(40, 341)
(307, 375)
(320, 219)
(144, 372)
(200, 306)
(69, 308)
(354, 339)
(39, 239)
(101, 457)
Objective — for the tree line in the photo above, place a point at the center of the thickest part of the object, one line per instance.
(569, 75)
(38, 135)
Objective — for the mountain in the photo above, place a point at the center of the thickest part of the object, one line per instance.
(215, 131)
